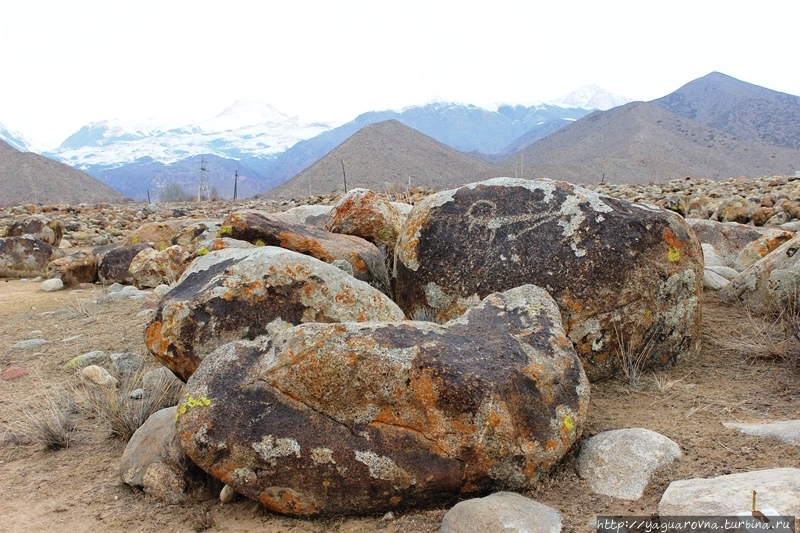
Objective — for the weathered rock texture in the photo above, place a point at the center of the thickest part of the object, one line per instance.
(150, 268)
(41, 227)
(620, 462)
(154, 461)
(771, 285)
(364, 214)
(236, 293)
(628, 278)
(262, 228)
(329, 419)
(114, 262)
(25, 257)
(74, 269)
(508, 512)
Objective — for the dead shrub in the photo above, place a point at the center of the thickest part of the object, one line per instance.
(48, 419)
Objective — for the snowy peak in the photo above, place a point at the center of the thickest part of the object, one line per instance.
(592, 97)
(244, 113)
(244, 129)
(15, 140)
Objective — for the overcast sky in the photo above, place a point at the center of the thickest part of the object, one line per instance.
(65, 64)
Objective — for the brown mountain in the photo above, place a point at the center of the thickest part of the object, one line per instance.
(739, 108)
(382, 156)
(27, 178)
(642, 142)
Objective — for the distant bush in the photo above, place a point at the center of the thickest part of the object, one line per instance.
(175, 193)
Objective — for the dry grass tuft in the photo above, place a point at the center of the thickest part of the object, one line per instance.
(48, 419)
(123, 414)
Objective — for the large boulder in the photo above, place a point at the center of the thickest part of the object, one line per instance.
(258, 227)
(729, 239)
(114, 262)
(361, 418)
(363, 213)
(238, 293)
(25, 257)
(74, 269)
(628, 278)
(161, 235)
(151, 268)
(771, 285)
(39, 226)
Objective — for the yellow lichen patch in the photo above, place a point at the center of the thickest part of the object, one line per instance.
(190, 403)
(567, 423)
(202, 251)
(225, 230)
(674, 255)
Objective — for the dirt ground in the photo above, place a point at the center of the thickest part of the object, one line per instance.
(79, 488)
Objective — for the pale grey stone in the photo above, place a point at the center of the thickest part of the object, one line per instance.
(726, 272)
(99, 376)
(713, 281)
(52, 285)
(620, 463)
(778, 488)
(787, 431)
(125, 362)
(711, 257)
(501, 512)
(29, 344)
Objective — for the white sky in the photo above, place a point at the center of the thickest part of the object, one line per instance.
(66, 63)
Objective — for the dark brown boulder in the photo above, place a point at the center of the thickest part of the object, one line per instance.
(41, 227)
(25, 257)
(241, 293)
(628, 278)
(362, 418)
(260, 228)
(74, 269)
(114, 262)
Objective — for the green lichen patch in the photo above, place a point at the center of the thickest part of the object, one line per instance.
(190, 403)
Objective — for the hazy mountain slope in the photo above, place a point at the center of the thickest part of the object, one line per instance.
(642, 142)
(383, 155)
(26, 177)
(14, 139)
(463, 127)
(742, 109)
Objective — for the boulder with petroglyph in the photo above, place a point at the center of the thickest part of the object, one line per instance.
(241, 293)
(260, 228)
(363, 418)
(628, 278)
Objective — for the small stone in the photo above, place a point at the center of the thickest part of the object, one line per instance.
(388, 517)
(125, 363)
(84, 360)
(29, 344)
(99, 376)
(137, 394)
(787, 431)
(52, 285)
(227, 494)
(501, 511)
(13, 372)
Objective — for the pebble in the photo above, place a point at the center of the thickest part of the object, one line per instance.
(13, 372)
(29, 344)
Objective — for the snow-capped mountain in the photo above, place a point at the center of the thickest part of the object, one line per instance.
(592, 97)
(245, 129)
(15, 139)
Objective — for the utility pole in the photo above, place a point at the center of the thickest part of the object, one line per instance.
(345, 177)
(235, 183)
